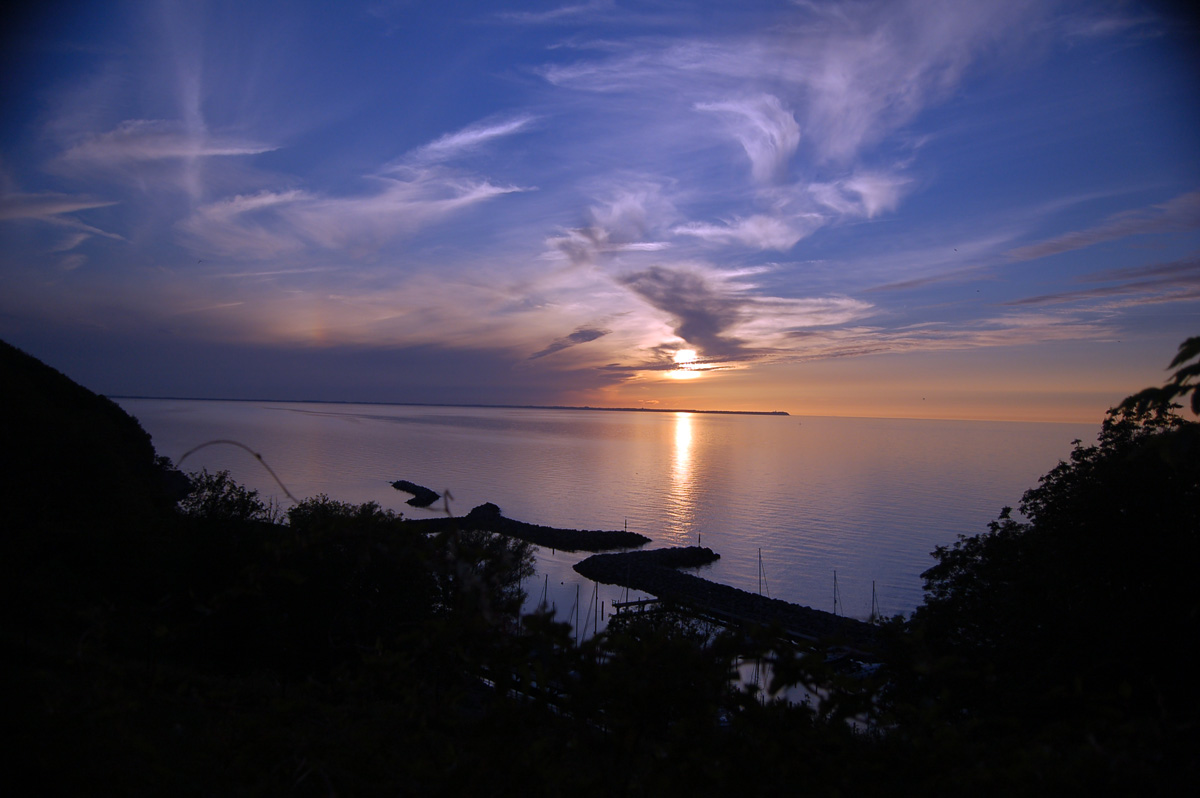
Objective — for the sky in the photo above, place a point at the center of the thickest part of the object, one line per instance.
(910, 208)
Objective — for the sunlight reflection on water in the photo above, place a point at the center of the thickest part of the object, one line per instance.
(681, 512)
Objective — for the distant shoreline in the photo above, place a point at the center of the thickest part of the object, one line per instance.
(476, 406)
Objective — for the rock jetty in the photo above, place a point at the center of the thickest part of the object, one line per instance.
(422, 496)
(654, 572)
(487, 517)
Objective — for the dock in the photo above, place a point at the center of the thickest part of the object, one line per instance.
(654, 572)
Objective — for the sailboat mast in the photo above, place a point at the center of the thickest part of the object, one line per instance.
(837, 598)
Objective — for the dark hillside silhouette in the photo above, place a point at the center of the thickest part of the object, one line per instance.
(200, 646)
(91, 462)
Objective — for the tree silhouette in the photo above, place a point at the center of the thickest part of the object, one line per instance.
(1068, 621)
(1184, 381)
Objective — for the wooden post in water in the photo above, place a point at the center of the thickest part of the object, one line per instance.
(762, 576)
(576, 608)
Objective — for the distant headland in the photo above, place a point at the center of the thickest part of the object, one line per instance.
(638, 409)
(478, 406)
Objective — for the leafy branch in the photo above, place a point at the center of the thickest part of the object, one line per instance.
(1185, 380)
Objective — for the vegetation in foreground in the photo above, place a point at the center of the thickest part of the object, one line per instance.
(188, 642)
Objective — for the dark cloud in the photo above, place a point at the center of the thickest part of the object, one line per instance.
(702, 312)
(1188, 268)
(1159, 282)
(667, 365)
(1177, 215)
(165, 365)
(580, 336)
(955, 276)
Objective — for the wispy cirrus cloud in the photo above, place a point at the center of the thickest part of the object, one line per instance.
(401, 206)
(1176, 215)
(767, 131)
(269, 224)
(562, 14)
(409, 194)
(631, 217)
(862, 194)
(849, 74)
(1104, 22)
(582, 335)
(794, 213)
(55, 210)
(152, 140)
(805, 102)
(246, 226)
(1023, 328)
(759, 231)
(152, 154)
(1178, 281)
(467, 140)
(46, 206)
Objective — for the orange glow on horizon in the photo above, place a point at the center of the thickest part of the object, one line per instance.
(968, 386)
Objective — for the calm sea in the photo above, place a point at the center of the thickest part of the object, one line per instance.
(793, 504)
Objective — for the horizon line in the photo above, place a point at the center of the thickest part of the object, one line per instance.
(780, 413)
(461, 404)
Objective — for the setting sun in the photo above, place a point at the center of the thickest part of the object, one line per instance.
(686, 365)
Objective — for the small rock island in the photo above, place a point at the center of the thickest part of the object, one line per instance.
(422, 496)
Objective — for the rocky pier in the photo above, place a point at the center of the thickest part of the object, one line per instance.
(655, 572)
(487, 517)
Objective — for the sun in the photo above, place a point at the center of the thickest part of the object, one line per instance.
(685, 365)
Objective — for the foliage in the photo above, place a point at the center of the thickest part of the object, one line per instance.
(484, 571)
(1070, 624)
(320, 515)
(217, 497)
(1098, 531)
(660, 677)
(1184, 381)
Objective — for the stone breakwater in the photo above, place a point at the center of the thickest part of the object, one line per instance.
(654, 572)
(422, 496)
(487, 517)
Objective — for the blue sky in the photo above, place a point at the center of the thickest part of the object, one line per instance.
(921, 208)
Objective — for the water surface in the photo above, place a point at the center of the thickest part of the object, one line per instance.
(867, 499)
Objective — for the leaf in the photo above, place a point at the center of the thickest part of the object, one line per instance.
(1187, 350)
